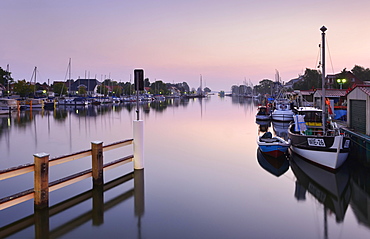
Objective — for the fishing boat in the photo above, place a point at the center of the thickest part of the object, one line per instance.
(273, 146)
(282, 111)
(263, 113)
(316, 138)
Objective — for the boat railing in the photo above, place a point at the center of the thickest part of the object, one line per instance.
(40, 168)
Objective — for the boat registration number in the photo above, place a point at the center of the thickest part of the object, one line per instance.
(316, 142)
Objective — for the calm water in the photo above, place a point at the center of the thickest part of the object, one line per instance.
(203, 177)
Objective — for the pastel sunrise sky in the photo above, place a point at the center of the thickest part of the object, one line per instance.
(225, 41)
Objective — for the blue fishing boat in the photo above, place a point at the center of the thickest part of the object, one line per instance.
(273, 146)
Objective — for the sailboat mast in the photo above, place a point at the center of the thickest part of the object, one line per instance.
(69, 76)
(323, 29)
(34, 88)
(7, 77)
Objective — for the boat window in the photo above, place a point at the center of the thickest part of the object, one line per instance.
(312, 116)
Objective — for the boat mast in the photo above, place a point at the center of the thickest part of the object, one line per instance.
(69, 76)
(323, 29)
(7, 77)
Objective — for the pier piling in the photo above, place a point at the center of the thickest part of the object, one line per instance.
(41, 180)
(138, 144)
(97, 162)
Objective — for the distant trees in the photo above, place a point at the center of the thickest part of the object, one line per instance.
(159, 87)
(265, 86)
(23, 88)
(5, 77)
(361, 73)
(60, 88)
(311, 80)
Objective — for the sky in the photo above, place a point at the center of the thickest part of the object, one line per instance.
(224, 42)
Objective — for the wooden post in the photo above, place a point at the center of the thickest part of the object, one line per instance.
(97, 162)
(138, 144)
(41, 180)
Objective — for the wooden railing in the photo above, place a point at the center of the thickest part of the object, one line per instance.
(40, 167)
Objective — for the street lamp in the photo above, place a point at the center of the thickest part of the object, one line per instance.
(341, 82)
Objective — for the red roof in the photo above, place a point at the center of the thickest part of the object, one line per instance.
(333, 92)
(364, 88)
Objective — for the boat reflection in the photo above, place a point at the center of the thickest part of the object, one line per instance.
(264, 125)
(281, 129)
(276, 166)
(329, 188)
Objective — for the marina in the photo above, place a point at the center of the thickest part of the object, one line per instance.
(204, 176)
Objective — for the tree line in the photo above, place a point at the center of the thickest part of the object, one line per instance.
(311, 79)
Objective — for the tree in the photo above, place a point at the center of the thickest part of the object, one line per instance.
(117, 90)
(5, 77)
(60, 88)
(311, 79)
(82, 90)
(146, 82)
(266, 86)
(361, 73)
(206, 89)
(23, 88)
(102, 89)
(159, 87)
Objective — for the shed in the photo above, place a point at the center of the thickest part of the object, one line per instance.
(337, 95)
(358, 109)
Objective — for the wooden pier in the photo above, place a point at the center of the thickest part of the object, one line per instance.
(42, 186)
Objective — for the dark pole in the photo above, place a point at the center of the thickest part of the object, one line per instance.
(323, 29)
(137, 100)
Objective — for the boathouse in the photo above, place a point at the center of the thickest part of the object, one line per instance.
(358, 113)
(338, 96)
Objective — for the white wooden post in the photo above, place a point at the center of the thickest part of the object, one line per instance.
(138, 144)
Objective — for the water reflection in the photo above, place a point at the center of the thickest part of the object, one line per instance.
(331, 189)
(275, 166)
(23, 119)
(40, 219)
(281, 129)
(264, 125)
(360, 200)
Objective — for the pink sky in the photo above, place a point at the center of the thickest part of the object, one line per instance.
(225, 41)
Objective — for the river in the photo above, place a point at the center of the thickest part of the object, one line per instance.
(203, 177)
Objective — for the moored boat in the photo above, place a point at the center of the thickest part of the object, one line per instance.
(79, 101)
(316, 138)
(273, 146)
(282, 111)
(263, 113)
(8, 104)
(327, 147)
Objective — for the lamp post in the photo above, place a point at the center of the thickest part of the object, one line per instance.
(341, 82)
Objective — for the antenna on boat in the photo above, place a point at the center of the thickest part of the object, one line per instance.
(323, 29)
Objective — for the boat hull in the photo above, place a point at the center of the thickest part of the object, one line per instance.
(274, 147)
(328, 151)
(274, 150)
(282, 115)
(263, 117)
